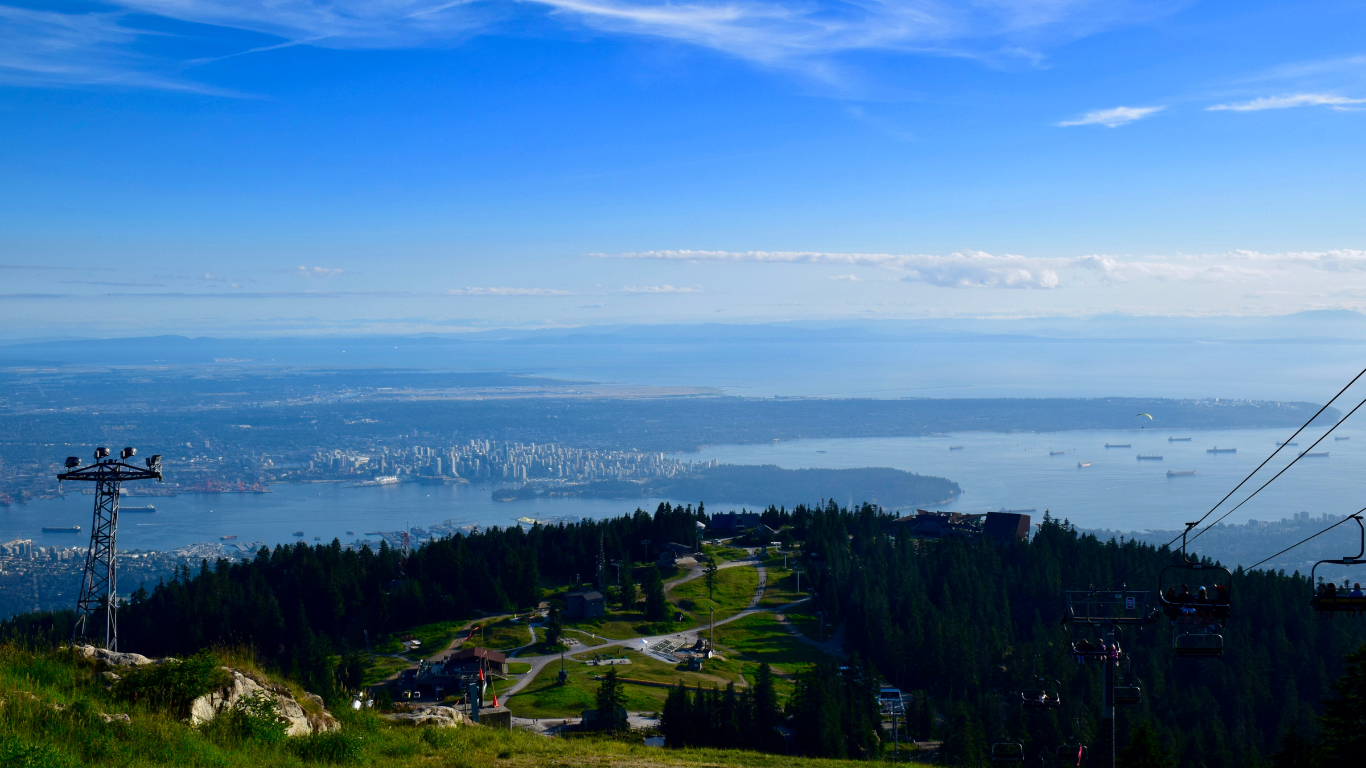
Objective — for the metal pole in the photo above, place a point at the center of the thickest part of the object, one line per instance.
(1107, 709)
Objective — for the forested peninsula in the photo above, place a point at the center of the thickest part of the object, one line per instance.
(762, 484)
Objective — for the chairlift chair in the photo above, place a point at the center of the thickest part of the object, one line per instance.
(1130, 694)
(1044, 696)
(1199, 622)
(1071, 754)
(1332, 603)
(1007, 752)
(1206, 644)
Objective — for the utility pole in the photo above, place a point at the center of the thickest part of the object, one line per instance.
(713, 629)
(99, 582)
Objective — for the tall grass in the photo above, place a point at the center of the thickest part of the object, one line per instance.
(53, 707)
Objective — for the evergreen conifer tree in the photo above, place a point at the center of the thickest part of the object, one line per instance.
(1144, 750)
(1344, 718)
(656, 607)
(611, 701)
(628, 585)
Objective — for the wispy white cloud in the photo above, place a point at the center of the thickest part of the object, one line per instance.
(969, 269)
(318, 272)
(1113, 118)
(508, 292)
(660, 289)
(850, 278)
(975, 269)
(96, 48)
(78, 47)
(1332, 101)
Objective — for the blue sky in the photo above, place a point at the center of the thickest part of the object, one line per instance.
(242, 166)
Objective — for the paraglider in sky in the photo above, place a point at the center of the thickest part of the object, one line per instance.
(1141, 415)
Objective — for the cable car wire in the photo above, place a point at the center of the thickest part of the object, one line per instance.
(1158, 554)
(1278, 474)
(1305, 540)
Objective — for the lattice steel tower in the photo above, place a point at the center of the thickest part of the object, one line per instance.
(99, 585)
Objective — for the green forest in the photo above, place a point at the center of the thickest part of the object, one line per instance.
(965, 625)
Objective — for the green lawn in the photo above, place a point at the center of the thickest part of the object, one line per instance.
(781, 586)
(435, 637)
(518, 667)
(546, 697)
(724, 553)
(378, 668)
(500, 636)
(734, 589)
(759, 638)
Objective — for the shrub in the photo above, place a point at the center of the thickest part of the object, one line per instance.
(172, 685)
(257, 718)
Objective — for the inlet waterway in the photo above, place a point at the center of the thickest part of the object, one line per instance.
(1015, 471)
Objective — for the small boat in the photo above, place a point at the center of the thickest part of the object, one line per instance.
(1118, 445)
(298, 533)
(1279, 443)
(229, 537)
(61, 529)
(820, 451)
(1315, 455)
(350, 533)
(317, 538)
(1178, 439)
(1056, 453)
(955, 447)
(1186, 473)
(1081, 464)
(1335, 437)
(1217, 449)
(1141, 457)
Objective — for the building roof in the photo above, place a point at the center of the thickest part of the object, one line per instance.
(483, 654)
(589, 596)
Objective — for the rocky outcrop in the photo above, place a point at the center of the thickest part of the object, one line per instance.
(301, 723)
(441, 717)
(112, 658)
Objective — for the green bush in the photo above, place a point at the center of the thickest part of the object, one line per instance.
(257, 718)
(172, 685)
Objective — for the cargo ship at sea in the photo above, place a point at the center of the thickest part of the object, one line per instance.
(1141, 457)
(1118, 445)
(61, 529)
(1056, 453)
(1186, 473)
(229, 537)
(1217, 449)
(1335, 437)
(135, 510)
(1292, 445)
(955, 447)
(1081, 464)
(1178, 439)
(1315, 455)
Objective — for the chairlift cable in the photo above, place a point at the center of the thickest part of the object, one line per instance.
(1158, 553)
(1278, 474)
(1302, 541)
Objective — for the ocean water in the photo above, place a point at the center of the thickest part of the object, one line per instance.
(1118, 491)
(997, 471)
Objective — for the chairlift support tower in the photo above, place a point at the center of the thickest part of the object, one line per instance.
(1107, 611)
(99, 584)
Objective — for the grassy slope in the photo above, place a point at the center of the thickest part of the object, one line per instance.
(546, 698)
(51, 718)
(734, 589)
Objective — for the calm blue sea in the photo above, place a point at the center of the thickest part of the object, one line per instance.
(996, 471)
